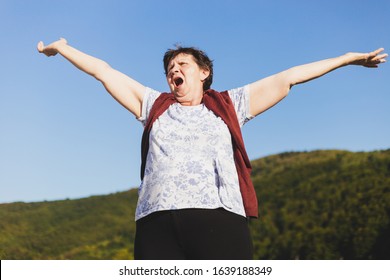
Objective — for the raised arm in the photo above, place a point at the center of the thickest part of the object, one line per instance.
(267, 92)
(124, 89)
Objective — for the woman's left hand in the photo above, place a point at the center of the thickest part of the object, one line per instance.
(371, 59)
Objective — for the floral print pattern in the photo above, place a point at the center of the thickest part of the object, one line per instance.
(190, 162)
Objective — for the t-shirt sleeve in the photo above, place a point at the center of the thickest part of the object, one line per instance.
(240, 99)
(147, 103)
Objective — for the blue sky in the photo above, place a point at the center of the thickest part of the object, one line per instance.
(62, 136)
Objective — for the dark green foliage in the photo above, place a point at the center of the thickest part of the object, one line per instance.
(313, 205)
(323, 205)
(98, 227)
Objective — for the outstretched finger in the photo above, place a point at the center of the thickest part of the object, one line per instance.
(382, 56)
(378, 59)
(376, 52)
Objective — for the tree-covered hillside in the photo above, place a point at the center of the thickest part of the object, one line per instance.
(98, 227)
(323, 205)
(313, 205)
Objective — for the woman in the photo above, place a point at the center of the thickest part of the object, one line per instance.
(196, 194)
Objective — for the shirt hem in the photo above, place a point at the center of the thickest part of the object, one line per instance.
(143, 215)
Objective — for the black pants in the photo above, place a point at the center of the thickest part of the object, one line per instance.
(193, 234)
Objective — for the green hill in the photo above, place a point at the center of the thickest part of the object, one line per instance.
(98, 227)
(313, 205)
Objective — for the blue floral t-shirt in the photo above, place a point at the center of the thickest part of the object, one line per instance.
(190, 162)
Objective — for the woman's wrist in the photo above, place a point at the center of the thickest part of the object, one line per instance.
(347, 59)
(60, 45)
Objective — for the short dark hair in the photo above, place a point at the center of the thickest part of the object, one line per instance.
(201, 58)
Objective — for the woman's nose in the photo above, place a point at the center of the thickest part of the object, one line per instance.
(173, 71)
(175, 68)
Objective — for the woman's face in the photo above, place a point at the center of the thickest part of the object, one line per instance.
(185, 78)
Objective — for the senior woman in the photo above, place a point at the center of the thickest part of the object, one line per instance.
(196, 194)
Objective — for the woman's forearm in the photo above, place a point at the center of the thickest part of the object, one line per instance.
(124, 89)
(306, 72)
(268, 91)
(86, 63)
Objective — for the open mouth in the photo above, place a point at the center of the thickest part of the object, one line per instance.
(178, 81)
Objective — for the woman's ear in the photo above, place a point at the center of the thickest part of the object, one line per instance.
(204, 74)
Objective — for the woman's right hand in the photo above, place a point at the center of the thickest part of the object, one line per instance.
(51, 49)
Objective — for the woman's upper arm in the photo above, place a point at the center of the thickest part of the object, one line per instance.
(127, 91)
(267, 92)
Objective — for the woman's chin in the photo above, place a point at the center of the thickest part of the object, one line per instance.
(179, 93)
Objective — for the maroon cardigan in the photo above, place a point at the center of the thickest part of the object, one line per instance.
(222, 106)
